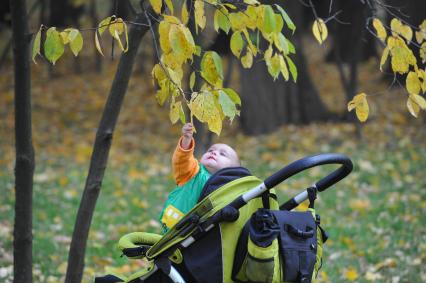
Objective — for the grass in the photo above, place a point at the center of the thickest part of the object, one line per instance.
(374, 217)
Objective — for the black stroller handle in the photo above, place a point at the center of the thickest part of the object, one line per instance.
(313, 161)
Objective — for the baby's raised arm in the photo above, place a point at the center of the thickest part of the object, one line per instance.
(187, 133)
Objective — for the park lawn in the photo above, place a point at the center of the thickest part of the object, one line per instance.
(374, 216)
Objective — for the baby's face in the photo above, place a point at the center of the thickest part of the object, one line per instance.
(219, 156)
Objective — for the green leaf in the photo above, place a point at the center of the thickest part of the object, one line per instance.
(274, 68)
(163, 93)
(286, 18)
(279, 23)
(103, 25)
(281, 43)
(76, 42)
(292, 67)
(269, 22)
(72, 33)
(192, 80)
(291, 48)
(228, 106)
(36, 45)
(237, 43)
(211, 68)
(53, 46)
(221, 20)
(233, 96)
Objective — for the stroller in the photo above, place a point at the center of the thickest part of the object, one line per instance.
(239, 233)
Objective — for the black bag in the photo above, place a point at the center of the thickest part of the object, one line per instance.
(295, 233)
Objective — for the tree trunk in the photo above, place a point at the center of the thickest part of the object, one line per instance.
(349, 31)
(100, 152)
(24, 168)
(268, 104)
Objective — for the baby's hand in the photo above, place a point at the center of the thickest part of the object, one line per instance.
(187, 132)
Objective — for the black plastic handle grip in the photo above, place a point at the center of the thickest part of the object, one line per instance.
(312, 161)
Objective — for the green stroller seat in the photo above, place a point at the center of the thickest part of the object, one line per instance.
(239, 233)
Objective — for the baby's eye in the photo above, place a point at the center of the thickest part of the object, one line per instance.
(223, 153)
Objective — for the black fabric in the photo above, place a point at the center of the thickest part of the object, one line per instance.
(263, 228)
(203, 259)
(108, 279)
(298, 245)
(222, 177)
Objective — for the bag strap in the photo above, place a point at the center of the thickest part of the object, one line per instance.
(312, 196)
(265, 200)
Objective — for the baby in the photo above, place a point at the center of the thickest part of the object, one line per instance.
(191, 175)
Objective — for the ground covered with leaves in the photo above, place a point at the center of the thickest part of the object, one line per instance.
(374, 216)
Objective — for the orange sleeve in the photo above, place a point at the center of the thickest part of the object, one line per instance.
(185, 166)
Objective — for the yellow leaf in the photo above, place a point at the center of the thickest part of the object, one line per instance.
(385, 55)
(247, 60)
(420, 101)
(388, 262)
(181, 41)
(412, 106)
(413, 83)
(200, 18)
(422, 75)
(380, 30)
(360, 104)
(237, 21)
(64, 36)
(319, 29)
(184, 13)
(422, 52)
(97, 44)
(402, 56)
(175, 109)
(171, 19)
(163, 31)
(399, 28)
(203, 107)
(36, 45)
(236, 43)
(421, 34)
(156, 5)
(283, 68)
(192, 80)
(116, 27)
(351, 274)
(274, 68)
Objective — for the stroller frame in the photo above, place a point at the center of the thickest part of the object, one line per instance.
(193, 227)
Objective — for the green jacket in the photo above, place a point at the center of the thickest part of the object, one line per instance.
(182, 199)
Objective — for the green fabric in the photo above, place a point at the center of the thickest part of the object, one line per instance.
(230, 230)
(206, 208)
(185, 197)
